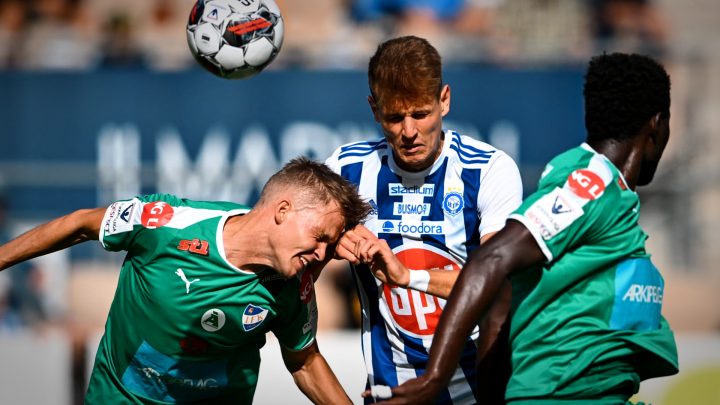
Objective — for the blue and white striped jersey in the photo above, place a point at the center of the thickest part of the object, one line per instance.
(431, 219)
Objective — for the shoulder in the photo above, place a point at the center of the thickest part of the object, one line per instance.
(471, 152)
(179, 202)
(578, 166)
(357, 152)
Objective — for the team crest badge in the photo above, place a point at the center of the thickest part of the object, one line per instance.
(253, 316)
(453, 203)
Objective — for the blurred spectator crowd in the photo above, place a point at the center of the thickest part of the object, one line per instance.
(91, 34)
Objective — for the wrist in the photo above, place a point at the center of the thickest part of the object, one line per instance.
(419, 280)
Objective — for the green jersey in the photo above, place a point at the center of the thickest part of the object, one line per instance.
(186, 325)
(588, 323)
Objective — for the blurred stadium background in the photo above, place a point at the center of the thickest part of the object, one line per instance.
(100, 100)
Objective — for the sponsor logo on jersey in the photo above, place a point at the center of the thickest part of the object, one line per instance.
(411, 209)
(196, 246)
(644, 293)
(638, 296)
(187, 282)
(414, 312)
(554, 212)
(127, 212)
(118, 218)
(253, 316)
(453, 203)
(373, 207)
(306, 287)
(213, 320)
(586, 184)
(194, 345)
(413, 228)
(156, 214)
(157, 376)
(560, 206)
(388, 227)
(399, 189)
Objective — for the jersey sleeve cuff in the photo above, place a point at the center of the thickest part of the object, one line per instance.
(535, 234)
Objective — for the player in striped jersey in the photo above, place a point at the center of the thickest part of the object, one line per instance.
(436, 195)
(202, 284)
(587, 322)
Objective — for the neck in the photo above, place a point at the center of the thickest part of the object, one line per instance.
(624, 154)
(246, 242)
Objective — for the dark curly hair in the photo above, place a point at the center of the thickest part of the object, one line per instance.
(622, 92)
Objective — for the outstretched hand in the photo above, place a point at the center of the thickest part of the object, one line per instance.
(417, 391)
(360, 246)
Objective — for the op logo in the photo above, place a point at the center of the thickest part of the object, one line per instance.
(413, 312)
(253, 316)
(453, 203)
(213, 320)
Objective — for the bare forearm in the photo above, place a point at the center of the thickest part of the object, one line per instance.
(317, 381)
(52, 236)
(441, 282)
(469, 300)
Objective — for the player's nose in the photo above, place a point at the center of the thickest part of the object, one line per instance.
(409, 127)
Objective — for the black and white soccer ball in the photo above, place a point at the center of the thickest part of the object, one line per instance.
(235, 39)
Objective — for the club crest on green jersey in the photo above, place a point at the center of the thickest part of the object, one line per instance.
(253, 316)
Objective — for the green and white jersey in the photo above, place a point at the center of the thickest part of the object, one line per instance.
(588, 323)
(186, 326)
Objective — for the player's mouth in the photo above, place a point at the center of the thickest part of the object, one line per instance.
(304, 262)
(412, 149)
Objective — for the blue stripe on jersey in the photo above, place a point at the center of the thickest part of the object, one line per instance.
(470, 151)
(436, 201)
(468, 363)
(464, 159)
(361, 149)
(385, 201)
(352, 172)
(382, 361)
(471, 179)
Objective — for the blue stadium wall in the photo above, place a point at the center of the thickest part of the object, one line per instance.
(79, 140)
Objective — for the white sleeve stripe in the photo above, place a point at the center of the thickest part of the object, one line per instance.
(535, 234)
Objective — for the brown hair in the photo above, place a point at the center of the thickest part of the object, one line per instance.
(317, 184)
(405, 69)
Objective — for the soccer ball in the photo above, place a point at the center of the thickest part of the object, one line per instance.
(235, 39)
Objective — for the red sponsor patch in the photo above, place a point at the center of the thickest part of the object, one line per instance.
(156, 214)
(416, 312)
(306, 287)
(194, 345)
(586, 184)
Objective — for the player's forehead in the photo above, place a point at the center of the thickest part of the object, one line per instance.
(406, 106)
(328, 220)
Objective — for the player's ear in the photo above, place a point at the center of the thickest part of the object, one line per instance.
(445, 100)
(282, 209)
(373, 107)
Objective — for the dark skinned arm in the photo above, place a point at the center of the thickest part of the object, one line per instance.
(510, 250)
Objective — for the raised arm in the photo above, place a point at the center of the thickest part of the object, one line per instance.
(314, 377)
(58, 234)
(512, 249)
